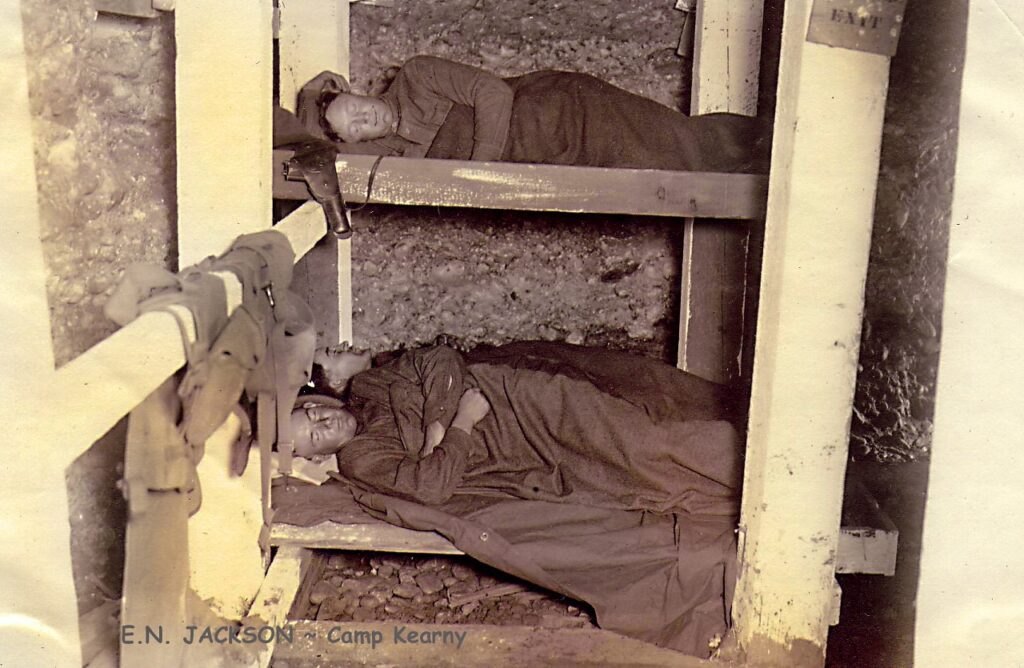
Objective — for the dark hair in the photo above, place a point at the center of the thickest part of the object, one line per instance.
(322, 102)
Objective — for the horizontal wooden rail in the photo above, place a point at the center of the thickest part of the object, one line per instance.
(862, 549)
(378, 536)
(103, 384)
(504, 185)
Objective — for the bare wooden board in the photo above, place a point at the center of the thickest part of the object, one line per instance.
(490, 646)
(869, 539)
(712, 299)
(502, 185)
(861, 549)
(380, 536)
(277, 594)
(154, 600)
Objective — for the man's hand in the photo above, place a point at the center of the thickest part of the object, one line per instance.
(329, 82)
(473, 406)
(432, 437)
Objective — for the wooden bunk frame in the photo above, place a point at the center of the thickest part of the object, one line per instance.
(224, 189)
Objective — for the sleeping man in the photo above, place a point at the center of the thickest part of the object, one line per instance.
(532, 420)
(437, 108)
(607, 477)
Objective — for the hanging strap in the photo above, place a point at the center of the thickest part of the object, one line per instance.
(265, 431)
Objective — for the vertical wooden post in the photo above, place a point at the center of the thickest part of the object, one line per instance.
(314, 37)
(154, 610)
(817, 236)
(727, 58)
(38, 610)
(223, 96)
(224, 77)
(969, 610)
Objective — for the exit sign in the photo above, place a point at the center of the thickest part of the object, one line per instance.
(861, 25)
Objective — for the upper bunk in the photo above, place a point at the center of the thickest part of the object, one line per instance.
(531, 187)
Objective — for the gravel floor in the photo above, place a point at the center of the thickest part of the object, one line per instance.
(360, 587)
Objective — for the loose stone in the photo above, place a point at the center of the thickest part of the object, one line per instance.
(429, 583)
(321, 592)
(406, 591)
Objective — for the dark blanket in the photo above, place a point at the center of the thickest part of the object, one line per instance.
(568, 424)
(567, 118)
(664, 579)
(610, 478)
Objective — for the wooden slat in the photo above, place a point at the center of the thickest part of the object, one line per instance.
(868, 540)
(712, 296)
(727, 56)
(314, 37)
(304, 228)
(277, 594)
(498, 185)
(154, 600)
(712, 318)
(867, 550)
(486, 646)
(223, 81)
(862, 549)
(308, 43)
(378, 536)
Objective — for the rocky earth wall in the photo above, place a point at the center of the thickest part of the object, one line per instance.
(900, 344)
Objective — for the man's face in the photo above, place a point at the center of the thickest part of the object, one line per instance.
(357, 118)
(321, 430)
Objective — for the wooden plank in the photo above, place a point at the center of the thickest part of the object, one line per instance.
(304, 228)
(99, 629)
(727, 56)
(223, 80)
(301, 607)
(380, 536)
(862, 549)
(319, 643)
(277, 595)
(154, 600)
(308, 44)
(867, 550)
(712, 322)
(868, 539)
(824, 167)
(314, 37)
(231, 514)
(524, 187)
(712, 297)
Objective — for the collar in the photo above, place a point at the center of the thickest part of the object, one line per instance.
(396, 111)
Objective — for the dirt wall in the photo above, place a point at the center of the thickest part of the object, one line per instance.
(900, 344)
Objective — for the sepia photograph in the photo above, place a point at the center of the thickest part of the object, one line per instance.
(519, 333)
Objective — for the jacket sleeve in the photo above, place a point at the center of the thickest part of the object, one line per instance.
(377, 461)
(440, 373)
(489, 96)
